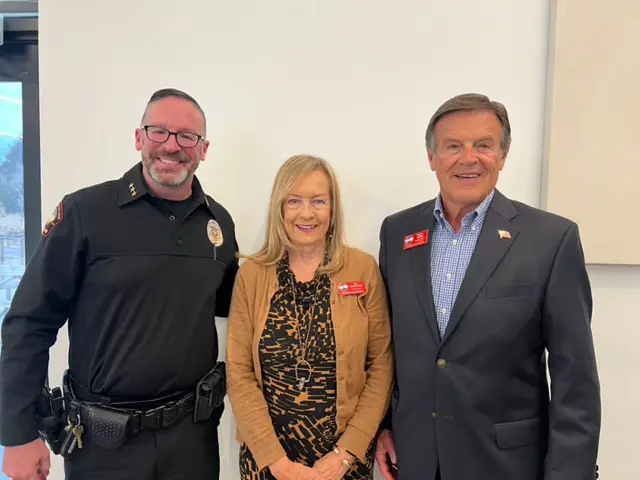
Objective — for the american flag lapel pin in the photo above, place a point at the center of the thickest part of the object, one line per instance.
(504, 234)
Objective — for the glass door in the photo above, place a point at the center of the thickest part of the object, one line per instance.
(12, 232)
(19, 147)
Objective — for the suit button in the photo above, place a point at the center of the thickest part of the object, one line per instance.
(442, 362)
(433, 414)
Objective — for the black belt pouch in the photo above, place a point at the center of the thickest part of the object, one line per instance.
(210, 393)
(106, 427)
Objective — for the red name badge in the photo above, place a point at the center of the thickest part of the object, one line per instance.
(416, 240)
(352, 288)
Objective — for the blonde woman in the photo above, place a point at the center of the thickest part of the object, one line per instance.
(309, 359)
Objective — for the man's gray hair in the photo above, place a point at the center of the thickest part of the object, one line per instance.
(468, 102)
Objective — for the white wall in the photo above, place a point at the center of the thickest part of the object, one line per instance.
(616, 326)
(352, 81)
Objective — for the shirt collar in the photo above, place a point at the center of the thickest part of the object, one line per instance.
(479, 212)
(133, 187)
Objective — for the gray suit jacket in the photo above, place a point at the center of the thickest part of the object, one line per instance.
(476, 402)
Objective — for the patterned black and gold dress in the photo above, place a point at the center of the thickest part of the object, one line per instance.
(304, 419)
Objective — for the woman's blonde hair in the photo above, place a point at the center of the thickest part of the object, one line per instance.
(276, 240)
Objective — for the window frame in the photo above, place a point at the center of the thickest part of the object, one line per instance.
(19, 7)
(20, 28)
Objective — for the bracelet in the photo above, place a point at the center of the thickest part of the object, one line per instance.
(347, 463)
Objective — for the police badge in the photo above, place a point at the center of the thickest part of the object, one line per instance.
(214, 232)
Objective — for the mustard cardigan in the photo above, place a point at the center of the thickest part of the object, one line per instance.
(364, 356)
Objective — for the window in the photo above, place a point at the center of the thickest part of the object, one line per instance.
(12, 241)
(20, 219)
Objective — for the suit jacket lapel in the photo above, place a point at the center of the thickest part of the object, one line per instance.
(420, 258)
(489, 250)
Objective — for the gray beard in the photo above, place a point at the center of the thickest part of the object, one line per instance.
(150, 166)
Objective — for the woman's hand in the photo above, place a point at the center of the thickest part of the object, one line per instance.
(334, 466)
(285, 469)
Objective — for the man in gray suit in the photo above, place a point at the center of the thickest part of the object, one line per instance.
(479, 287)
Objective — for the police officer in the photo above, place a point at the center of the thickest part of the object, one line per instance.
(139, 267)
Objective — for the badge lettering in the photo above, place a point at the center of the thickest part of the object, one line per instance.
(54, 220)
(352, 288)
(416, 240)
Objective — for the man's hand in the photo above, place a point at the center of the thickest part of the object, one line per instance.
(285, 469)
(386, 455)
(333, 465)
(27, 462)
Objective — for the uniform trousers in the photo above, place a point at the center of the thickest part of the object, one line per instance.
(186, 451)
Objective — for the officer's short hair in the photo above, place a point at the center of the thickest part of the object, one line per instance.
(175, 93)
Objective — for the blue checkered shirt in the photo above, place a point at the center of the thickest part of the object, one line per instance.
(450, 256)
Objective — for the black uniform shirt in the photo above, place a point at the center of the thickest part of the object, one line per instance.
(139, 280)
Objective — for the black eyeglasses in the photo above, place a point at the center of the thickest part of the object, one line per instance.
(161, 135)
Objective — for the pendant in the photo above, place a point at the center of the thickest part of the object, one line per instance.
(303, 373)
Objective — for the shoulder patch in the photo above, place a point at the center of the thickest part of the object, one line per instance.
(55, 219)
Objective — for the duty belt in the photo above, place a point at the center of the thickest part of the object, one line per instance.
(141, 420)
(165, 413)
(110, 422)
(164, 416)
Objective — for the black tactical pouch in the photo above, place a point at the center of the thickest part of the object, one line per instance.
(105, 426)
(50, 414)
(210, 393)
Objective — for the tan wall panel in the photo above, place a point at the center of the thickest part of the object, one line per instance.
(593, 113)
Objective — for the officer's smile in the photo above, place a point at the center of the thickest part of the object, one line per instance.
(170, 161)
